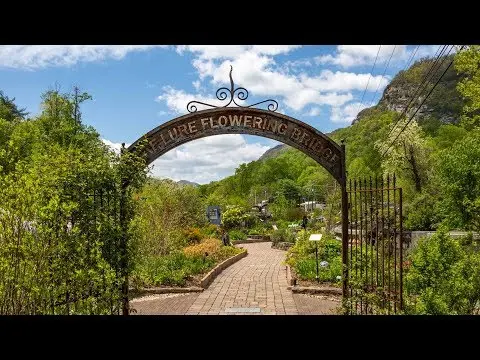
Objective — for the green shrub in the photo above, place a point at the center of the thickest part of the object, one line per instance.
(234, 217)
(192, 235)
(211, 231)
(443, 278)
(301, 257)
(306, 269)
(172, 270)
(237, 235)
(283, 235)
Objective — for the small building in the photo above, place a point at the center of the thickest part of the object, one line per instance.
(312, 205)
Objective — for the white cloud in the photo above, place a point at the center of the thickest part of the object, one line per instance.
(347, 113)
(197, 85)
(204, 160)
(177, 100)
(40, 56)
(114, 146)
(315, 111)
(262, 76)
(344, 81)
(207, 159)
(233, 51)
(357, 55)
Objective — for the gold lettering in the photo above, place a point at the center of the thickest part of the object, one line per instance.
(272, 125)
(222, 120)
(165, 142)
(211, 124)
(174, 135)
(318, 146)
(247, 118)
(334, 157)
(182, 129)
(282, 129)
(295, 134)
(265, 123)
(306, 137)
(204, 123)
(191, 127)
(155, 143)
(257, 121)
(327, 153)
(235, 120)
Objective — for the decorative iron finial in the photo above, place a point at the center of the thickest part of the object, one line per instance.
(224, 94)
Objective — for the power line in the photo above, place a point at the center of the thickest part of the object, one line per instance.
(433, 88)
(420, 87)
(384, 72)
(412, 56)
(369, 76)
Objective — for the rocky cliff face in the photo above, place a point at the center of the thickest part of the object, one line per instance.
(444, 104)
(275, 151)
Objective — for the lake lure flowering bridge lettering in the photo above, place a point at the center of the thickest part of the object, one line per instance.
(250, 121)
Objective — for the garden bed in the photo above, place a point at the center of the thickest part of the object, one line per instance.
(189, 271)
(300, 286)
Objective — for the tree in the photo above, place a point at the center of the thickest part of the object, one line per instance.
(9, 110)
(77, 98)
(408, 156)
(467, 62)
(459, 173)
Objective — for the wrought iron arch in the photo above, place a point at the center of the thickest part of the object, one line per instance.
(245, 119)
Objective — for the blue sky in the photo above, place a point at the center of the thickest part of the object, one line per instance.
(138, 87)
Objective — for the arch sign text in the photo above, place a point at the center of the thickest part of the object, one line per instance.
(234, 120)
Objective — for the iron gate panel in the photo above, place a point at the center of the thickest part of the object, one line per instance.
(375, 246)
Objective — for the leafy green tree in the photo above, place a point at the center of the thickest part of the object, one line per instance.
(442, 278)
(408, 154)
(467, 62)
(234, 217)
(9, 110)
(459, 173)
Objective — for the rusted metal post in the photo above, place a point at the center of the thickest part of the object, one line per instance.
(401, 249)
(343, 186)
(124, 252)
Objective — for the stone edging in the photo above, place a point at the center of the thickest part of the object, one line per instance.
(212, 274)
(166, 290)
(250, 241)
(206, 280)
(290, 280)
(326, 290)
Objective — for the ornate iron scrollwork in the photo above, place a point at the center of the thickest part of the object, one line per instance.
(230, 95)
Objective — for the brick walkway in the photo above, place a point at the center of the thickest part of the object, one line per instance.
(255, 285)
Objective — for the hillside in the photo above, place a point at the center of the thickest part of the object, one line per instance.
(444, 104)
(186, 182)
(275, 151)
